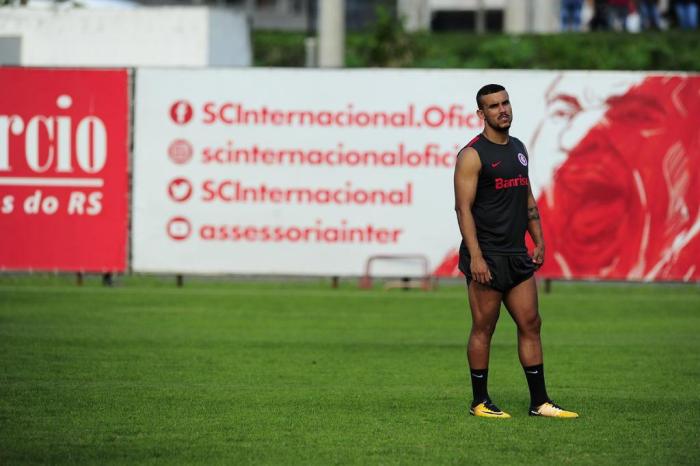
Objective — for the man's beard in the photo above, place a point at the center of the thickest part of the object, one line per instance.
(500, 129)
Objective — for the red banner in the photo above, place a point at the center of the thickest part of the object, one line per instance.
(63, 169)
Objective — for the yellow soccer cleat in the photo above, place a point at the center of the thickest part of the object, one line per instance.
(488, 409)
(550, 409)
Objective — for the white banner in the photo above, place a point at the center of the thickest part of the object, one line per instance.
(311, 172)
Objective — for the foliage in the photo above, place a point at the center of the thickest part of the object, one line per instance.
(274, 48)
(388, 45)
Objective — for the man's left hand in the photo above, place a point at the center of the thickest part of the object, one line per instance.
(538, 256)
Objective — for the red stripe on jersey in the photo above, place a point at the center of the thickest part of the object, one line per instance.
(476, 138)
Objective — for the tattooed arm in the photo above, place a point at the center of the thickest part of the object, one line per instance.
(534, 227)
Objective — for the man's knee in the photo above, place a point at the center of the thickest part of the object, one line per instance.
(483, 331)
(531, 325)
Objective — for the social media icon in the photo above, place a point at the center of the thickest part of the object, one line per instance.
(179, 228)
(180, 151)
(180, 189)
(181, 112)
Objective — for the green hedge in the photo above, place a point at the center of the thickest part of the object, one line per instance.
(389, 46)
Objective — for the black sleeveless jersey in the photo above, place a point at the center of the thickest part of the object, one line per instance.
(500, 205)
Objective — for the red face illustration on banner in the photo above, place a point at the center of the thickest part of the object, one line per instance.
(625, 204)
(622, 201)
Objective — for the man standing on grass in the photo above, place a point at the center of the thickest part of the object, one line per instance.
(495, 207)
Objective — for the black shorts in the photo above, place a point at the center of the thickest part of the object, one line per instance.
(506, 271)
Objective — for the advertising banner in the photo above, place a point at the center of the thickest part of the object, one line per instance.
(616, 159)
(63, 169)
(312, 172)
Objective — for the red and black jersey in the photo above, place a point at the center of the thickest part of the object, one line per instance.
(500, 205)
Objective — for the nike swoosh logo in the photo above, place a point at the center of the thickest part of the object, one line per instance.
(478, 376)
(495, 164)
(531, 372)
(491, 412)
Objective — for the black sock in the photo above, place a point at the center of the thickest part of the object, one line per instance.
(535, 381)
(480, 378)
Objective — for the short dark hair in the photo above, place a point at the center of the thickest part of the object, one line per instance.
(486, 90)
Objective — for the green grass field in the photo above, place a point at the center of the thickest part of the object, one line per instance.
(269, 373)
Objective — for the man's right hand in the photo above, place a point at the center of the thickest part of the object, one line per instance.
(480, 270)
